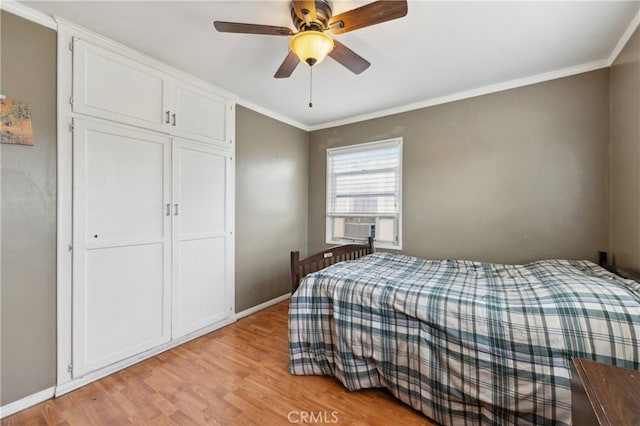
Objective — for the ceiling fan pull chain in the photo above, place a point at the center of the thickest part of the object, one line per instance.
(310, 86)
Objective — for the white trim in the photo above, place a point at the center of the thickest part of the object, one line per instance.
(262, 306)
(624, 39)
(96, 375)
(120, 365)
(356, 148)
(520, 82)
(64, 208)
(26, 402)
(271, 114)
(231, 208)
(28, 13)
(67, 387)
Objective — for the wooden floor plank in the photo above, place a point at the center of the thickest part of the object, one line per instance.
(233, 376)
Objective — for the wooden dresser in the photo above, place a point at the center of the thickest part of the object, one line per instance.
(604, 395)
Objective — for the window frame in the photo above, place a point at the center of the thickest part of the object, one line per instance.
(329, 216)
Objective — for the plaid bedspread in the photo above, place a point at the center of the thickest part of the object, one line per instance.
(464, 342)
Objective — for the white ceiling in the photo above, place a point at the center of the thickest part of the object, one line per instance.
(441, 50)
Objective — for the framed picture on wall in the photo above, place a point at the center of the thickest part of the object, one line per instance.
(15, 117)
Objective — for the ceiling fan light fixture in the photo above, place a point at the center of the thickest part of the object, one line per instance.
(311, 46)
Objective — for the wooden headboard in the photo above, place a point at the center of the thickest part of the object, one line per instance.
(603, 261)
(317, 261)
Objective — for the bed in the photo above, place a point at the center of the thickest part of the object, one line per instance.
(463, 342)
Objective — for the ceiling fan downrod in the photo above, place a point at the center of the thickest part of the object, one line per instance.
(310, 85)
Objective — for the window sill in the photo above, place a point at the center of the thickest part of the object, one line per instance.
(376, 245)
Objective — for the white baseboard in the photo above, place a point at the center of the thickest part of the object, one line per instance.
(262, 306)
(63, 388)
(26, 402)
(74, 384)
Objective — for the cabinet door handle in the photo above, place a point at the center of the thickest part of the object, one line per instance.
(167, 120)
(168, 209)
(175, 209)
(174, 119)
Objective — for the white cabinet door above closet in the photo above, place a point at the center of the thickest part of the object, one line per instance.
(199, 114)
(117, 88)
(201, 245)
(122, 243)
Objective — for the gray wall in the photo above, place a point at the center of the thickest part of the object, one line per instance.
(28, 191)
(625, 156)
(507, 177)
(271, 205)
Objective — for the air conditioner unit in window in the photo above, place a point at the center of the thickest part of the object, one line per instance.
(359, 231)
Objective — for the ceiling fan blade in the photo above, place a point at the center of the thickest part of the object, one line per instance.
(348, 58)
(235, 27)
(288, 65)
(306, 10)
(369, 14)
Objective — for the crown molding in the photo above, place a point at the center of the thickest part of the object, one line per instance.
(539, 78)
(28, 13)
(624, 39)
(271, 114)
(485, 90)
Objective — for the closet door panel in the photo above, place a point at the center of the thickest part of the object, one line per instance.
(125, 187)
(200, 255)
(123, 303)
(201, 179)
(201, 298)
(200, 114)
(114, 87)
(122, 243)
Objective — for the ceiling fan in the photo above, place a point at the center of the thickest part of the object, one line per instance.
(311, 44)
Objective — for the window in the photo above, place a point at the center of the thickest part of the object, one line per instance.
(364, 188)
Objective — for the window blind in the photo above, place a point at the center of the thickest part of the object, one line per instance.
(364, 180)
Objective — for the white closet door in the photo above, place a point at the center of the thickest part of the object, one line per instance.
(122, 243)
(201, 277)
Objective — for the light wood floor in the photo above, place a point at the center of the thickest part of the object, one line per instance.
(233, 376)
